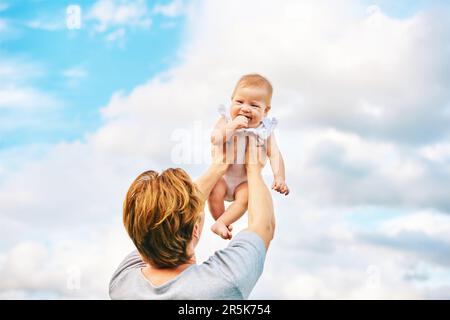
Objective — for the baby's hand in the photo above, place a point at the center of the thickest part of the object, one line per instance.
(240, 122)
(280, 186)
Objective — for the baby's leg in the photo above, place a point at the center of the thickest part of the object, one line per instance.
(216, 199)
(236, 209)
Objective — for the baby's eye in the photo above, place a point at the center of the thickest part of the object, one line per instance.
(255, 105)
(238, 101)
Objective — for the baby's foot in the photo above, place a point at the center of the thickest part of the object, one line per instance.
(222, 230)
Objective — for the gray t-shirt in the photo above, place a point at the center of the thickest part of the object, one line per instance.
(230, 273)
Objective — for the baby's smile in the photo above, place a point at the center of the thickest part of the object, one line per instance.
(247, 116)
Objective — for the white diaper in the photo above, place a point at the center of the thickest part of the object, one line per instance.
(235, 175)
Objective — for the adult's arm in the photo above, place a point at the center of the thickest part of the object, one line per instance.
(261, 217)
(215, 171)
(209, 178)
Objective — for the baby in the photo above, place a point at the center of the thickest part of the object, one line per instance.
(250, 103)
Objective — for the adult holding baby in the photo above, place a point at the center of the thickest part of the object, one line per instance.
(163, 214)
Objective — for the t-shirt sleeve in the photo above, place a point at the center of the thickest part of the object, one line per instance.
(131, 261)
(242, 262)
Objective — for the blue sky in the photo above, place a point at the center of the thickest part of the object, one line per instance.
(107, 66)
(405, 8)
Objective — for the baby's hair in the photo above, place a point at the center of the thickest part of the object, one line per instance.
(254, 80)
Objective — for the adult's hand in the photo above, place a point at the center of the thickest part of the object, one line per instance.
(255, 154)
(261, 218)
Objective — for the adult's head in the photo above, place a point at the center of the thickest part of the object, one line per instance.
(163, 215)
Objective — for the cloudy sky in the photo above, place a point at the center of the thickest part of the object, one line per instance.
(92, 95)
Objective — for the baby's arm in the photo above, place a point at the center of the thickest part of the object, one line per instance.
(224, 130)
(277, 164)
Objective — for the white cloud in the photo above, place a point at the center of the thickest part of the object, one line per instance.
(351, 111)
(12, 97)
(335, 73)
(32, 270)
(46, 24)
(16, 92)
(17, 71)
(329, 283)
(431, 223)
(74, 75)
(116, 36)
(75, 72)
(344, 168)
(439, 152)
(172, 9)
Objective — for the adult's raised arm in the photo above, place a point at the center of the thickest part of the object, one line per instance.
(215, 171)
(261, 217)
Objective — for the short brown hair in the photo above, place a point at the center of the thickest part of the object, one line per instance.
(254, 80)
(159, 213)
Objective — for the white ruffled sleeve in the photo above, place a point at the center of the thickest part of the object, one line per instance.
(264, 130)
(270, 124)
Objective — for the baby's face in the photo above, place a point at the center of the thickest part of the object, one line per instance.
(251, 103)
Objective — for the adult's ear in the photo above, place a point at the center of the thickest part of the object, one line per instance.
(197, 230)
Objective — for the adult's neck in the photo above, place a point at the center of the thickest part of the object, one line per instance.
(159, 276)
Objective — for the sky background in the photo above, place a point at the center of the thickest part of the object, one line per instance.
(361, 92)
